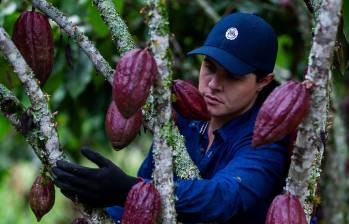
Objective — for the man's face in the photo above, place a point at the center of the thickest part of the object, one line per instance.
(226, 96)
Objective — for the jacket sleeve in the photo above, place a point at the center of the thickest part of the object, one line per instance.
(254, 174)
(146, 168)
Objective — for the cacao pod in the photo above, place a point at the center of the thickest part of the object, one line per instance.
(286, 208)
(42, 196)
(142, 204)
(281, 113)
(135, 73)
(121, 131)
(188, 101)
(33, 37)
(80, 221)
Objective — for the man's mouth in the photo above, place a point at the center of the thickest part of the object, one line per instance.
(212, 99)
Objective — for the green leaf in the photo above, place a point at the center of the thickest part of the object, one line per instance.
(4, 126)
(96, 21)
(119, 5)
(77, 78)
(346, 19)
(284, 56)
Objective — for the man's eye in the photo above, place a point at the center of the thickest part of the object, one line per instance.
(209, 67)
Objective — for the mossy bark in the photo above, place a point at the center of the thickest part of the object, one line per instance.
(307, 155)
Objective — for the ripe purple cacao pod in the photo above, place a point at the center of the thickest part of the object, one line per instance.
(135, 73)
(281, 113)
(42, 196)
(142, 204)
(121, 131)
(33, 37)
(80, 221)
(286, 208)
(188, 101)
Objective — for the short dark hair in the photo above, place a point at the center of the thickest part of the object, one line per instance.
(262, 96)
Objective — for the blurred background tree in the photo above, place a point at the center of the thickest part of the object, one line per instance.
(81, 96)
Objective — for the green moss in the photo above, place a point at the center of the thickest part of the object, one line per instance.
(312, 198)
(163, 27)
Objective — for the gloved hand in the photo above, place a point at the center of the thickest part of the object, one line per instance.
(97, 187)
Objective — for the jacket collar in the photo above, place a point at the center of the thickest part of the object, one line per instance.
(231, 127)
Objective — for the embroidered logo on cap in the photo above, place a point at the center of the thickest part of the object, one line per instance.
(232, 33)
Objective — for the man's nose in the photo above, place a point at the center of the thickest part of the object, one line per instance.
(215, 83)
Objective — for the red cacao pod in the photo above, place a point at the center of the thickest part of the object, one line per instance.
(188, 101)
(142, 204)
(286, 208)
(42, 196)
(134, 75)
(121, 131)
(33, 37)
(281, 113)
(80, 221)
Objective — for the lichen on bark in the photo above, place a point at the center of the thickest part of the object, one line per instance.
(312, 134)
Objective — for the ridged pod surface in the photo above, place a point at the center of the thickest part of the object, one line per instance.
(42, 196)
(33, 37)
(142, 204)
(135, 73)
(188, 101)
(281, 113)
(121, 131)
(286, 209)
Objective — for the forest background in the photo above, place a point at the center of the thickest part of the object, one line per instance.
(81, 96)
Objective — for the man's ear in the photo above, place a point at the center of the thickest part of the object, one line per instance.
(264, 81)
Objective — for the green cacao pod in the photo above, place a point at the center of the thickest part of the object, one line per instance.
(281, 113)
(142, 204)
(134, 75)
(188, 101)
(121, 131)
(286, 208)
(42, 196)
(33, 37)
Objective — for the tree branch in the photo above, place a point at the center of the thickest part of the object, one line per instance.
(162, 152)
(15, 112)
(73, 31)
(51, 152)
(23, 121)
(42, 136)
(117, 26)
(310, 144)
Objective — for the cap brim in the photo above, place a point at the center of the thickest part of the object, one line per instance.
(234, 65)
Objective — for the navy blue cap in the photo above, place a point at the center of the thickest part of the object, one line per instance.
(242, 43)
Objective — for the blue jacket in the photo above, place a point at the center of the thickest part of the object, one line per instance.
(239, 181)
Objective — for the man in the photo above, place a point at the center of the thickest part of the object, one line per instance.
(239, 181)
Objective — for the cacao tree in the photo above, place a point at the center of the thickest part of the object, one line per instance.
(37, 123)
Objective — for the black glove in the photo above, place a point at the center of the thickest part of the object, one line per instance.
(97, 187)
